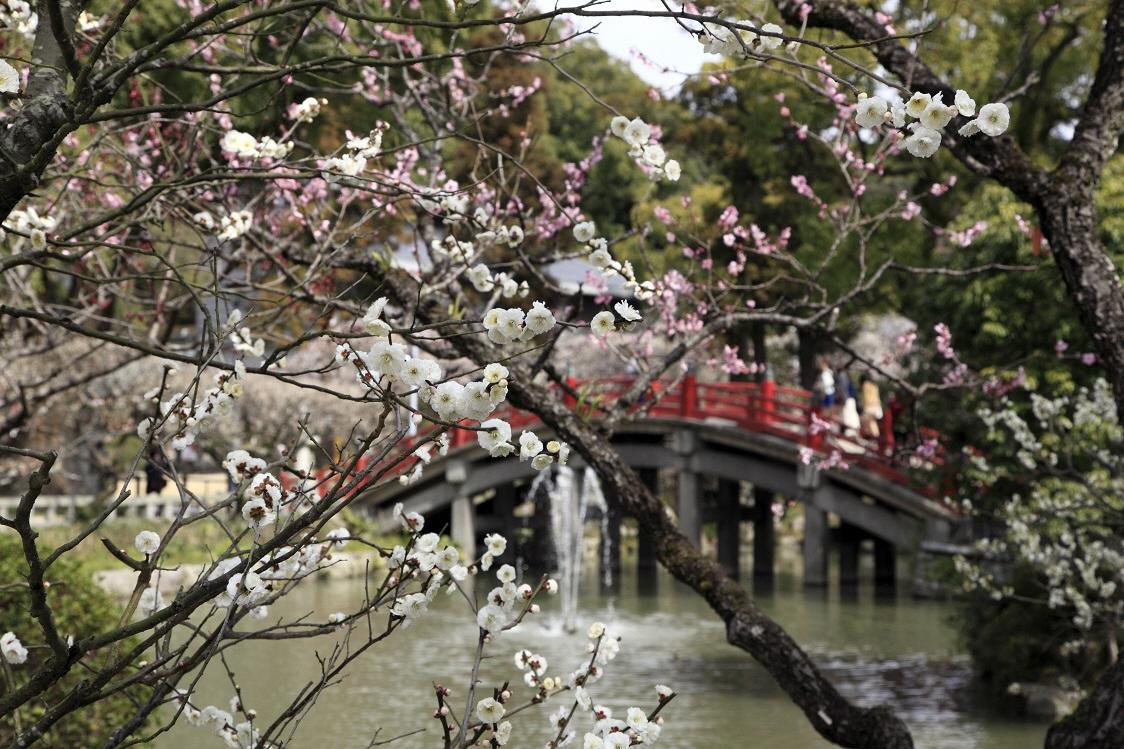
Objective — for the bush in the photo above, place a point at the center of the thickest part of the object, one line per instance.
(80, 609)
(1016, 640)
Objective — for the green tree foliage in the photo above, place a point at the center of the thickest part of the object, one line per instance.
(80, 609)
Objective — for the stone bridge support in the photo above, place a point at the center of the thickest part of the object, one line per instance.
(729, 526)
(817, 539)
(817, 546)
(645, 546)
(885, 566)
(462, 512)
(764, 536)
(689, 490)
(850, 540)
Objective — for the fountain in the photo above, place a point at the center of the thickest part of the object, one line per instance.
(570, 501)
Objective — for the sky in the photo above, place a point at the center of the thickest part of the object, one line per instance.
(661, 40)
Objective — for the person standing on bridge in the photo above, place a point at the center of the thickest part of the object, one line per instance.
(154, 470)
(844, 388)
(872, 406)
(827, 385)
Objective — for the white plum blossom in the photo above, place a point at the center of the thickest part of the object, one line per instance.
(626, 311)
(372, 321)
(488, 710)
(965, 105)
(494, 373)
(234, 225)
(871, 111)
(447, 558)
(970, 128)
(12, 649)
(411, 521)
(539, 319)
(917, 105)
(529, 445)
(637, 132)
(618, 740)
(491, 618)
(258, 514)
(496, 544)
(937, 114)
(585, 231)
(923, 142)
(411, 607)
(240, 143)
(307, 110)
(9, 78)
(387, 358)
(602, 324)
(241, 465)
(770, 43)
(448, 400)
(495, 437)
(147, 542)
(932, 115)
(993, 119)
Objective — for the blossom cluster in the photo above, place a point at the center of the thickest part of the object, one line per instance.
(585, 232)
(245, 145)
(643, 147)
(19, 16)
(605, 731)
(740, 42)
(235, 734)
(1067, 524)
(931, 115)
(28, 222)
(353, 160)
(181, 415)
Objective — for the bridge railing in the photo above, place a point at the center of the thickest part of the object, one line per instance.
(789, 413)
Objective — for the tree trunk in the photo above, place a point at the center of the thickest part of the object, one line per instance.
(759, 334)
(807, 351)
(1064, 203)
(1098, 722)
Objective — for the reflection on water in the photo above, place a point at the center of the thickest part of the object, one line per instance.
(899, 653)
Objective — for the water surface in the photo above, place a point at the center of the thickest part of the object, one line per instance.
(903, 653)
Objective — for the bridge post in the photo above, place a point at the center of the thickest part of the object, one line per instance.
(462, 525)
(816, 537)
(850, 543)
(764, 536)
(462, 513)
(729, 526)
(688, 489)
(816, 546)
(503, 508)
(885, 566)
(645, 545)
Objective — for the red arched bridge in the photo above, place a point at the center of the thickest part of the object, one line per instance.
(714, 438)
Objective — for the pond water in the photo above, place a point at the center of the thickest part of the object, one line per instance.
(900, 652)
